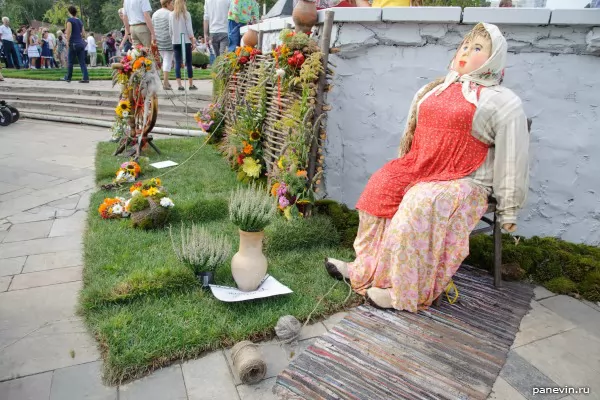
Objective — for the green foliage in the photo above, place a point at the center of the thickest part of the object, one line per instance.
(22, 12)
(301, 233)
(109, 16)
(138, 203)
(196, 247)
(344, 220)
(251, 208)
(561, 285)
(199, 59)
(590, 287)
(58, 13)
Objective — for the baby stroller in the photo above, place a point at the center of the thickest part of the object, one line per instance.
(8, 114)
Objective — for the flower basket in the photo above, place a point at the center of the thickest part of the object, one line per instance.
(155, 216)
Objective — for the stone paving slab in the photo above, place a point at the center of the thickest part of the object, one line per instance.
(16, 194)
(81, 382)
(261, 391)
(47, 261)
(40, 246)
(73, 225)
(209, 378)
(11, 266)
(523, 377)
(563, 367)
(540, 323)
(166, 383)
(574, 311)
(34, 387)
(35, 214)
(7, 187)
(28, 231)
(5, 283)
(46, 278)
(502, 390)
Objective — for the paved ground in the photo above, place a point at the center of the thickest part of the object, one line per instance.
(46, 174)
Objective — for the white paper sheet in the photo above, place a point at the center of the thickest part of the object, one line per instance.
(164, 164)
(269, 287)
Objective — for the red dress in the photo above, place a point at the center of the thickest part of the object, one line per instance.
(443, 149)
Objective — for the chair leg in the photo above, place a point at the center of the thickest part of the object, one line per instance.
(497, 253)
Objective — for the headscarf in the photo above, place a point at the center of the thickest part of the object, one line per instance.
(489, 74)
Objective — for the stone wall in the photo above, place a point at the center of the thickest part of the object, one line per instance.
(387, 55)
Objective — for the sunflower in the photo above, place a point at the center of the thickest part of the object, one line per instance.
(254, 135)
(123, 106)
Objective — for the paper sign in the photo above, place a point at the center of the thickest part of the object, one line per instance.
(164, 164)
(268, 287)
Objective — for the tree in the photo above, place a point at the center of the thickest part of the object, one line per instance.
(58, 14)
(110, 16)
(22, 12)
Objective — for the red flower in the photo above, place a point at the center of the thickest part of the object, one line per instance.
(243, 60)
(296, 60)
(240, 158)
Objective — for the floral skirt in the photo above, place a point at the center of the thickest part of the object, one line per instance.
(418, 250)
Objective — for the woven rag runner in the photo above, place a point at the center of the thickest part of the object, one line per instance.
(447, 352)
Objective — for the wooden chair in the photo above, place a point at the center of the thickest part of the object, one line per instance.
(494, 227)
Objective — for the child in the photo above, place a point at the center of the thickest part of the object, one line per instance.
(32, 49)
(46, 52)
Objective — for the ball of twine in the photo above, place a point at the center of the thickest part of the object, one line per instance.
(288, 328)
(248, 362)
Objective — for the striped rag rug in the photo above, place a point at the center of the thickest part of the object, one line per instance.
(447, 352)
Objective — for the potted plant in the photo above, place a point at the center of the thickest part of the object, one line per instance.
(203, 252)
(251, 209)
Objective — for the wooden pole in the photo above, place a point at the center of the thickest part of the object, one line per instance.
(324, 45)
(260, 40)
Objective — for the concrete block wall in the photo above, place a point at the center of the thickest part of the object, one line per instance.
(554, 66)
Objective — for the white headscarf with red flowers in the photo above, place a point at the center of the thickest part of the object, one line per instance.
(489, 74)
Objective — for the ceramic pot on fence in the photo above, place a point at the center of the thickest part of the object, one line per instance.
(250, 38)
(249, 264)
(206, 278)
(305, 16)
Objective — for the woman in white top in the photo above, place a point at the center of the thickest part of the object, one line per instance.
(180, 22)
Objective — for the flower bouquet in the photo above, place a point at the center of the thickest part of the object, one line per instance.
(149, 205)
(128, 172)
(113, 208)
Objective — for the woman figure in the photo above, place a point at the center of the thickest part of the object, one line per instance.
(111, 47)
(32, 48)
(466, 137)
(74, 35)
(46, 53)
(180, 22)
(61, 49)
(160, 21)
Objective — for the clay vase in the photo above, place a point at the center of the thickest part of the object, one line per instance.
(249, 264)
(250, 38)
(305, 16)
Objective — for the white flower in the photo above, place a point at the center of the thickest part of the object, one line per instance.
(280, 72)
(125, 114)
(167, 202)
(135, 193)
(120, 175)
(117, 209)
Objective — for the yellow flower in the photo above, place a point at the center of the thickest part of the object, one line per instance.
(124, 105)
(251, 167)
(280, 163)
(288, 213)
(254, 135)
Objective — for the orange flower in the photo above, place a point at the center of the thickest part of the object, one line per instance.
(301, 174)
(247, 148)
(274, 189)
(139, 62)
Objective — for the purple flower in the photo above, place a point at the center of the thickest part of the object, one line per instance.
(283, 202)
(205, 126)
(282, 190)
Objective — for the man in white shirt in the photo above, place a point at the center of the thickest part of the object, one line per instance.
(216, 25)
(91, 49)
(6, 35)
(138, 22)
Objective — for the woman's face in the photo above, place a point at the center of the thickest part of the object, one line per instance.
(471, 55)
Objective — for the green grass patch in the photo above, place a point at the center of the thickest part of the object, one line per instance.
(95, 74)
(146, 308)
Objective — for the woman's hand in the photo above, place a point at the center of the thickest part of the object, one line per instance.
(509, 227)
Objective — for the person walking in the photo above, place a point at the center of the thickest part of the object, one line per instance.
(111, 47)
(6, 34)
(75, 34)
(215, 25)
(160, 20)
(91, 48)
(138, 22)
(180, 22)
